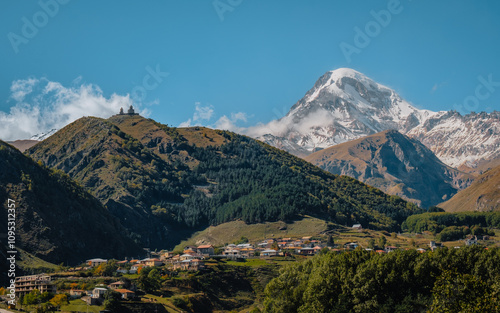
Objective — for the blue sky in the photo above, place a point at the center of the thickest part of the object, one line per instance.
(246, 61)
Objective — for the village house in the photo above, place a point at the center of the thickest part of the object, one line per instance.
(306, 251)
(42, 282)
(76, 293)
(435, 245)
(268, 253)
(357, 226)
(98, 292)
(267, 243)
(166, 255)
(135, 268)
(282, 244)
(126, 294)
(309, 250)
(188, 265)
(187, 256)
(174, 259)
(244, 246)
(96, 262)
(191, 249)
(206, 250)
(247, 252)
(151, 262)
(231, 253)
(116, 285)
(351, 245)
(471, 241)
(390, 248)
(193, 253)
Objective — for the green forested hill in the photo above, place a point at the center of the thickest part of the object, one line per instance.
(159, 180)
(56, 219)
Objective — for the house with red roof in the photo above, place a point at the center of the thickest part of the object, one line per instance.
(206, 250)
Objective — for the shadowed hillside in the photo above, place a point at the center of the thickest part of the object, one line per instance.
(56, 219)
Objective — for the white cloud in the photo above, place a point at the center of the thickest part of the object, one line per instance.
(186, 123)
(204, 113)
(201, 114)
(229, 123)
(286, 124)
(42, 105)
(20, 88)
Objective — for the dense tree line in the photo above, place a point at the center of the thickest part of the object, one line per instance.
(255, 182)
(453, 226)
(447, 280)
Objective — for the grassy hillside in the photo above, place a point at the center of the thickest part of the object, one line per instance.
(483, 195)
(56, 219)
(164, 183)
(232, 231)
(396, 164)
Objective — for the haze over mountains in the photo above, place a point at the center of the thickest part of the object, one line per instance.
(345, 105)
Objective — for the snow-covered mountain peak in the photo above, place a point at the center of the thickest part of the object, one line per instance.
(339, 74)
(345, 90)
(345, 104)
(43, 136)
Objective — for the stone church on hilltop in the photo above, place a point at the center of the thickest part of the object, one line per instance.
(130, 111)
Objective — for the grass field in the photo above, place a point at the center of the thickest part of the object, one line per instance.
(249, 262)
(232, 231)
(80, 306)
(28, 261)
